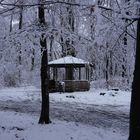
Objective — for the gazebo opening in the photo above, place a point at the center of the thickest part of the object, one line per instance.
(69, 74)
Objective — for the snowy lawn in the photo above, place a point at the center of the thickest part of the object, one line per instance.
(94, 96)
(19, 126)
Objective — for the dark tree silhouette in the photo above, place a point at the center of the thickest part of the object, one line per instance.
(44, 116)
(134, 132)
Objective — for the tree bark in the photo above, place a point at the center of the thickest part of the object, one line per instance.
(11, 20)
(44, 116)
(32, 59)
(21, 14)
(134, 130)
(20, 27)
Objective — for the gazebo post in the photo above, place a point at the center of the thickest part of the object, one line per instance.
(55, 73)
(88, 74)
(79, 73)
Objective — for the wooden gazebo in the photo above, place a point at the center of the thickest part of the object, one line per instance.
(69, 64)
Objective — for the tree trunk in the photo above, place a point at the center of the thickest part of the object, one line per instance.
(32, 59)
(51, 47)
(21, 14)
(134, 130)
(44, 116)
(11, 20)
(68, 44)
(69, 73)
(20, 27)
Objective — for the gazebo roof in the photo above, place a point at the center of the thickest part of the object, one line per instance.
(68, 61)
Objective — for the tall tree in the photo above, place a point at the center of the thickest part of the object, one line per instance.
(19, 47)
(44, 116)
(67, 22)
(135, 99)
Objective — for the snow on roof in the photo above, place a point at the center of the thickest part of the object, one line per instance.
(68, 60)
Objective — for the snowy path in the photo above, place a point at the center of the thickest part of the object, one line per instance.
(102, 116)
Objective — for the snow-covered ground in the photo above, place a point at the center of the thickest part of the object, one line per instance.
(94, 96)
(23, 126)
(20, 126)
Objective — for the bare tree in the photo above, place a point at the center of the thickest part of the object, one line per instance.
(135, 99)
(44, 116)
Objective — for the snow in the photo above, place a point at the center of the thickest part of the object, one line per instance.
(17, 125)
(19, 94)
(24, 127)
(68, 60)
(111, 97)
(93, 97)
